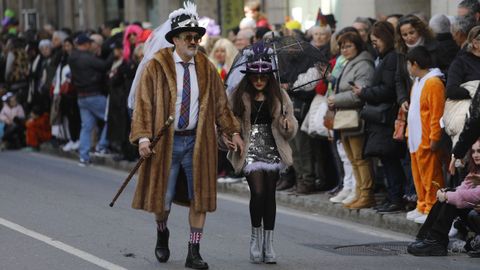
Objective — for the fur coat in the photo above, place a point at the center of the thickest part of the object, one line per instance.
(154, 103)
(280, 135)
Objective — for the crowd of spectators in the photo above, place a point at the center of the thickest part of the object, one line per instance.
(71, 89)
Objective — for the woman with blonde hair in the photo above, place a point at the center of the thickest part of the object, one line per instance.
(222, 56)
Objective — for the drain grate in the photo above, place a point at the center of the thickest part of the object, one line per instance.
(371, 249)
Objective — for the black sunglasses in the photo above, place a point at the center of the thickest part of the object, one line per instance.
(189, 38)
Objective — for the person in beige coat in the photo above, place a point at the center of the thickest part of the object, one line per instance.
(266, 115)
(184, 84)
(357, 72)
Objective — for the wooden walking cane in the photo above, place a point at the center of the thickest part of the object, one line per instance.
(140, 161)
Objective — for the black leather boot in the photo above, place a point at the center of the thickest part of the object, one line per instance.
(194, 260)
(161, 249)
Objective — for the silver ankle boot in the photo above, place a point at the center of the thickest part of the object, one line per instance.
(268, 252)
(256, 245)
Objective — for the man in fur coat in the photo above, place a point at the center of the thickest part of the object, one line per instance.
(182, 167)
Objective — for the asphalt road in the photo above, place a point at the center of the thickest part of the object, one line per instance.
(55, 215)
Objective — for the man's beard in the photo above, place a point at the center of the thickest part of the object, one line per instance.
(192, 51)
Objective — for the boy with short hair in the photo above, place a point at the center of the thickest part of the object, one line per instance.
(427, 100)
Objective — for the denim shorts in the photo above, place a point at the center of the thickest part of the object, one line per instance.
(182, 156)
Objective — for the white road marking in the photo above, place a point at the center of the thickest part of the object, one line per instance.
(365, 229)
(62, 246)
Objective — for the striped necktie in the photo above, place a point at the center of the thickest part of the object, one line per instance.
(185, 108)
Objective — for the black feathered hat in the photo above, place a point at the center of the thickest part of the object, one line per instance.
(184, 20)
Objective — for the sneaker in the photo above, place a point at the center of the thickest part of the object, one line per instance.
(67, 147)
(412, 215)
(342, 195)
(456, 246)
(350, 198)
(84, 163)
(453, 231)
(421, 219)
(101, 153)
(427, 247)
(75, 145)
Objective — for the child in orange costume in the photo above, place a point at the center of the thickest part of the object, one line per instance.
(427, 100)
(38, 128)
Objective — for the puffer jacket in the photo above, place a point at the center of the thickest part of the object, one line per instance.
(380, 98)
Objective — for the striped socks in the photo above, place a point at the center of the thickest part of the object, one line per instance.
(161, 225)
(195, 235)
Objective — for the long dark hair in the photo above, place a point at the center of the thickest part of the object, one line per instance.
(271, 92)
(419, 25)
(472, 167)
(386, 33)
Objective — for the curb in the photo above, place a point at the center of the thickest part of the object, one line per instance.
(313, 203)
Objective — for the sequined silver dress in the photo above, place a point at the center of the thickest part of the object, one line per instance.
(262, 151)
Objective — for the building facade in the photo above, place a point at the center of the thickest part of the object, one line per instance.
(89, 14)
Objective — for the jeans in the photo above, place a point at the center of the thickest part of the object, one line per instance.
(182, 156)
(92, 109)
(395, 179)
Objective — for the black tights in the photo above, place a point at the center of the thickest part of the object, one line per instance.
(262, 198)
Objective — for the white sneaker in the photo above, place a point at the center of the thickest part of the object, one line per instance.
(342, 195)
(412, 215)
(67, 147)
(75, 145)
(453, 231)
(350, 198)
(421, 219)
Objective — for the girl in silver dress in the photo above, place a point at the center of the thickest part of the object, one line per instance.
(266, 116)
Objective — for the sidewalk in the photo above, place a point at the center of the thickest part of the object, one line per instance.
(314, 203)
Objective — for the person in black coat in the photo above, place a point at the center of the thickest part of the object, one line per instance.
(379, 115)
(440, 25)
(465, 68)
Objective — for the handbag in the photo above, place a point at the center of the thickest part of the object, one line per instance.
(378, 114)
(400, 125)
(346, 119)
(328, 119)
(313, 124)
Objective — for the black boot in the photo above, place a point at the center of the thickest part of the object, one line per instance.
(194, 260)
(161, 249)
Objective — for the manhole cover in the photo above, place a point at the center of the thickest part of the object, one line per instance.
(371, 249)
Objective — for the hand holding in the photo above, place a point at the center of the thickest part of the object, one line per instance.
(238, 143)
(357, 90)
(451, 166)
(228, 142)
(144, 149)
(405, 106)
(441, 195)
(331, 102)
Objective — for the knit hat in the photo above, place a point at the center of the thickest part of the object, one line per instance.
(293, 25)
